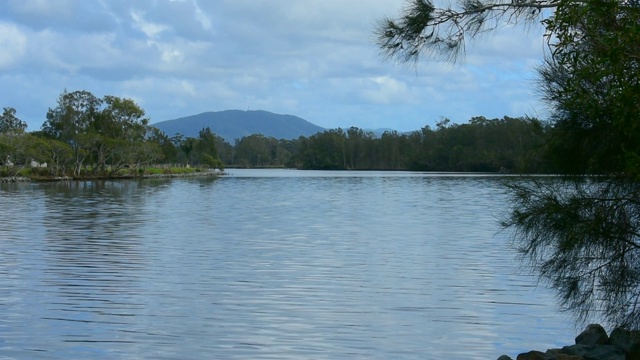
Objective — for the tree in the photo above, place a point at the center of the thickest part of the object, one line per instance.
(118, 135)
(580, 232)
(206, 149)
(104, 134)
(146, 153)
(424, 29)
(390, 145)
(70, 120)
(167, 147)
(324, 151)
(59, 156)
(258, 150)
(17, 151)
(12, 141)
(226, 152)
(583, 233)
(592, 83)
(10, 123)
(73, 115)
(187, 146)
(121, 118)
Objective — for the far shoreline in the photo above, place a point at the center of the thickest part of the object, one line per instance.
(43, 179)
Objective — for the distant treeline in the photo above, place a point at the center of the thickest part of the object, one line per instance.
(86, 136)
(481, 145)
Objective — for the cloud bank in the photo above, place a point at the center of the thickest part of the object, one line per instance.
(311, 58)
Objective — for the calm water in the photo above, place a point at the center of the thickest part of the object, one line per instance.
(276, 264)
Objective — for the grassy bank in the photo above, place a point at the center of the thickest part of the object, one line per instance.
(44, 174)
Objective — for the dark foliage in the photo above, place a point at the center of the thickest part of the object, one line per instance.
(581, 234)
(579, 231)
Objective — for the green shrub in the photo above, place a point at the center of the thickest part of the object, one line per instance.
(40, 171)
(153, 171)
(24, 172)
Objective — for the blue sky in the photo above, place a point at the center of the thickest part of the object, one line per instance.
(311, 58)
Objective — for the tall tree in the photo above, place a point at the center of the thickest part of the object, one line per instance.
(73, 115)
(592, 83)
(12, 140)
(206, 149)
(9, 122)
(70, 121)
(581, 233)
(118, 134)
(258, 150)
(167, 147)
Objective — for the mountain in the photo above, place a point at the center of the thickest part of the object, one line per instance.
(235, 124)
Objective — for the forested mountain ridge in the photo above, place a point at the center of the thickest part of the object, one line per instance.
(236, 124)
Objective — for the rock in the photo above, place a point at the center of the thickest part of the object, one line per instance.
(193, 174)
(577, 350)
(607, 352)
(556, 354)
(624, 339)
(566, 357)
(14, 179)
(593, 335)
(532, 355)
(634, 352)
(590, 352)
(592, 344)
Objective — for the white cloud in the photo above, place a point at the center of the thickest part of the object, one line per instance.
(188, 88)
(13, 43)
(202, 18)
(387, 90)
(311, 58)
(171, 55)
(148, 28)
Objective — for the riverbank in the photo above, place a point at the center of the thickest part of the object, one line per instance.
(592, 344)
(22, 179)
(14, 179)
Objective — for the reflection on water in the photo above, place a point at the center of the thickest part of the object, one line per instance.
(261, 264)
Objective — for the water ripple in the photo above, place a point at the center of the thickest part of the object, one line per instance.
(274, 264)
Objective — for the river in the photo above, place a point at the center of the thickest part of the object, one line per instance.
(267, 264)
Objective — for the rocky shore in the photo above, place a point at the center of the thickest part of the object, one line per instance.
(193, 174)
(592, 344)
(14, 179)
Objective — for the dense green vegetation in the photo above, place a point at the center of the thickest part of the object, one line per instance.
(85, 136)
(580, 231)
(478, 145)
(89, 137)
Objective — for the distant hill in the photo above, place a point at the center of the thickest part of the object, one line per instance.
(235, 124)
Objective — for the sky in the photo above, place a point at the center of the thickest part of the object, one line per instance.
(315, 59)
